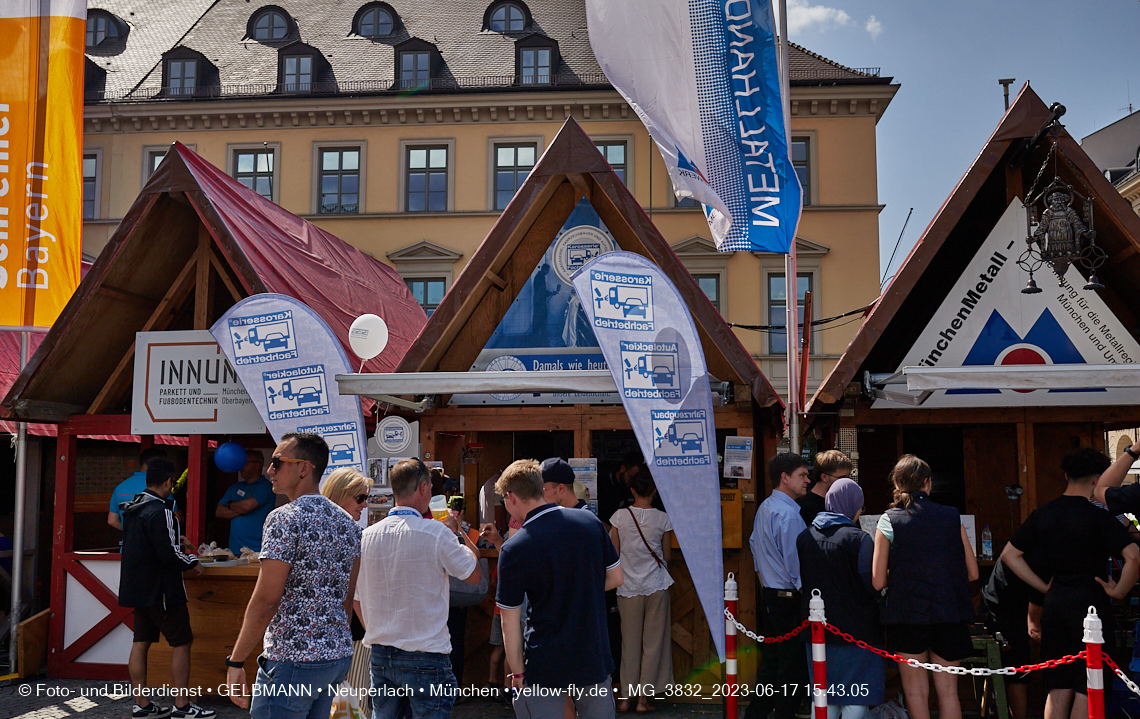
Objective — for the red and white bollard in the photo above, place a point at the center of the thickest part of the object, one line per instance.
(1094, 639)
(730, 648)
(819, 655)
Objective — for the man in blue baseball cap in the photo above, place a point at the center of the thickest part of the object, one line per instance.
(558, 484)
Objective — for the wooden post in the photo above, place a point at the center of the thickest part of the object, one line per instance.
(1026, 468)
(195, 528)
(62, 537)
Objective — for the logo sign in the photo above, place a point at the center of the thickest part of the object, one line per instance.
(650, 370)
(183, 384)
(575, 247)
(341, 439)
(506, 363)
(263, 338)
(622, 301)
(394, 434)
(985, 320)
(289, 356)
(653, 352)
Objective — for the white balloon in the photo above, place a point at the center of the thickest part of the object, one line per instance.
(368, 336)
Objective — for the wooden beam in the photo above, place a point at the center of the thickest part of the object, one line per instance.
(225, 278)
(202, 296)
(1026, 468)
(117, 382)
(133, 298)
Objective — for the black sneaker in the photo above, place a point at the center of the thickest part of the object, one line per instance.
(151, 711)
(192, 711)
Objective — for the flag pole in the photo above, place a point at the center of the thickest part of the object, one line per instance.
(18, 524)
(791, 280)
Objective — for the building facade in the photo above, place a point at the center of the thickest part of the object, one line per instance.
(405, 129)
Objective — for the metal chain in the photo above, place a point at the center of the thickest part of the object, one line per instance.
(1040, 173)
(961, 671)
(1123, 677)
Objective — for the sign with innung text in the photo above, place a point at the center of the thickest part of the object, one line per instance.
(184, 384)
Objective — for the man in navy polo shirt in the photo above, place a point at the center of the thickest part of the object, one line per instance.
(562, 561)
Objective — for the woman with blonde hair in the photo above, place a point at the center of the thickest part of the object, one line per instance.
(348, 489)
(924, 559)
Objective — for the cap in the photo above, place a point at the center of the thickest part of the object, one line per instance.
(557, 470)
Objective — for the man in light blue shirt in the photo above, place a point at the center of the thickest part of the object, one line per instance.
(132, 485)
(246, 503)
(773, 542)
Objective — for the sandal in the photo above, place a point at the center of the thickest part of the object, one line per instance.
(623, 706)
(645, 708)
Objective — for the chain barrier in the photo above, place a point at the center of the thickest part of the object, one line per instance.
(1123, 677)
(961, 671)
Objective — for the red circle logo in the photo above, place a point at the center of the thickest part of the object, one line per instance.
(1023, 356)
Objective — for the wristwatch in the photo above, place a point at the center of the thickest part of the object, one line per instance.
(231, 663)
(1131, 453)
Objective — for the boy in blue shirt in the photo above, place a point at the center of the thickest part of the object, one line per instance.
(246, 504)
(132, 485)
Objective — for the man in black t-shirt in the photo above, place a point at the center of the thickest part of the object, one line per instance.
(1108, 490)
(1076, 539)
(829, 466)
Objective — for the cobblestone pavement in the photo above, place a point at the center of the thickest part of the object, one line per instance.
(43, 698)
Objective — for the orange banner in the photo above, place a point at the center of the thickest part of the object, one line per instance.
(41, 158)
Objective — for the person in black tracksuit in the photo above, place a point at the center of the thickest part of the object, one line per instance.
(150, 581)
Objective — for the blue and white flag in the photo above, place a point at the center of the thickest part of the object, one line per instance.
(286, 357)
(649, 341)
(702, 76)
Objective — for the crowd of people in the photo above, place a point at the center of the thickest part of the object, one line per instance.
(384, 608)
(906, 587)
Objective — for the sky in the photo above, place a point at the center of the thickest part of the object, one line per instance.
(947, 57)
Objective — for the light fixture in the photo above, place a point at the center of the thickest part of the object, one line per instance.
(1056, 234)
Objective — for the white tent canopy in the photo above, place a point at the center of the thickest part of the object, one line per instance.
(1026, 377)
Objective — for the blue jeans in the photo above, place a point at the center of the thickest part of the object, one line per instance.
(421, 682)
(296, 690)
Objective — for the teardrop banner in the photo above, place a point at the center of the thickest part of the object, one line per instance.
(286, 356)
(650, 343)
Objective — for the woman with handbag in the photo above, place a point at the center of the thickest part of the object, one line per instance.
(643, 537)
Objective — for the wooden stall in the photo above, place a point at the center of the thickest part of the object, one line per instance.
(477, 437)
(194, 243)
(957, 303)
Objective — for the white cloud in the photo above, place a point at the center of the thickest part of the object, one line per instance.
(874, 27)
(802, 16)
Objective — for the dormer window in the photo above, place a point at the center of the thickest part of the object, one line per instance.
(270, 24)
(417, 62)
(375, 21)
(298, 73)
(512, 16)
(101, 27)
(536, 57)
(183, 77)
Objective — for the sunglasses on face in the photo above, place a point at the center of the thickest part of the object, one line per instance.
(275, 463)
(360, 498)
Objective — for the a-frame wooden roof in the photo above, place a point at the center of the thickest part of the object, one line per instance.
(1003, 170)
(194, 243)
(571, 168)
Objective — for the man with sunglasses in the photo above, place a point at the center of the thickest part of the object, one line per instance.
(405, 565)
(246, 503)
(829, 466)
(310, 555)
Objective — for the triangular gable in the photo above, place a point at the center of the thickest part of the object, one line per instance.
(1000, 175)
(193, 233)
(570, 169)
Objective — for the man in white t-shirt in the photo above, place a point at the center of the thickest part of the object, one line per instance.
(403, 590)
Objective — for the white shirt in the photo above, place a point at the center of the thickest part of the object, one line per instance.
(643, 576)
(403, 585)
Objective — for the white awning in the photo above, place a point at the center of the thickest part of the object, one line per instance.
(1069, 376)
(432, 383)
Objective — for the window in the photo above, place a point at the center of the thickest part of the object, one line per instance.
(340, 180)
(777, 302)
(415, 69)
(427, 179)
(534, 65)
(101, 27)
(154, 158)
(254, 169)
(710, 285)
(183, 77)
(802, 165)
(685, 202)
(614, 152)
(512, 165)
(508, 17)
(298, 73)
(428, 291)
(375, 22)
(90, 185)
(270, 25)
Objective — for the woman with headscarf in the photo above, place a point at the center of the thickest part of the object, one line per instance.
(835, 558)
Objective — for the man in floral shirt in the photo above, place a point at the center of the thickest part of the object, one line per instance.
(310, 555)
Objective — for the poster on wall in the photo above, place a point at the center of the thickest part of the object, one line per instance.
(586, 472)
(738, 457)
(184, 384)
(985, 320)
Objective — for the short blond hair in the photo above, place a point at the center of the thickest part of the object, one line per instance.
(832, 461)
(523, 478)
(344, 483)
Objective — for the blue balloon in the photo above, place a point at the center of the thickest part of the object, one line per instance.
(229, 457)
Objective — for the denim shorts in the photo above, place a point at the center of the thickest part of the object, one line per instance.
(421, 682)
(296, 690)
